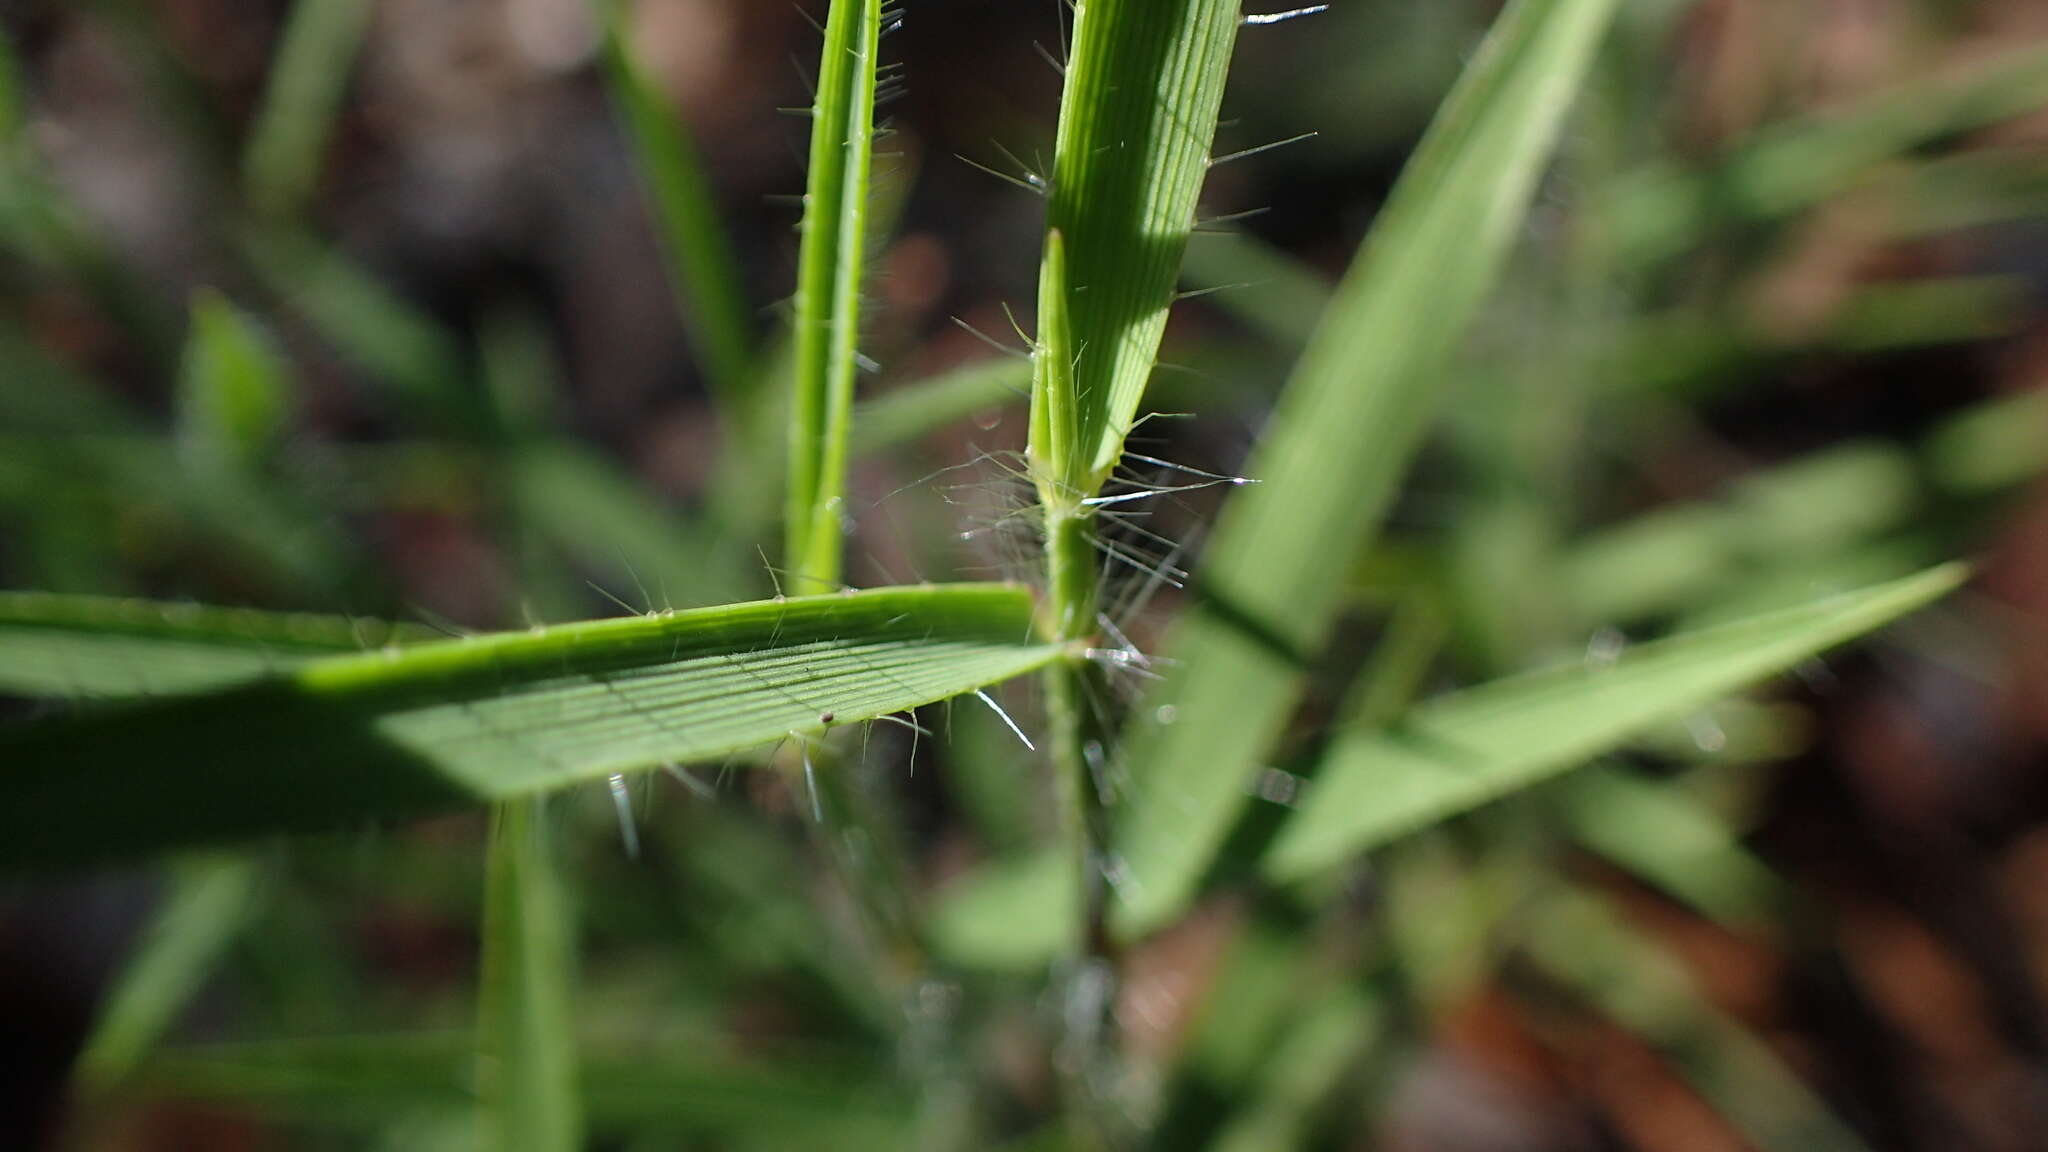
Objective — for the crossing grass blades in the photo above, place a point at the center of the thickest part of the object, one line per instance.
(202, 736)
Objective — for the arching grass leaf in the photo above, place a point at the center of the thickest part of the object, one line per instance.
(1467, 749)
(446, 725)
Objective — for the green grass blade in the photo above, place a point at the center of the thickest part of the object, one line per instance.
(439, 726)
(234, 387)
(54, 422)
(701, 268)
(1306, 1069)
(901, 415)
(1009, 915)
(48, 398)
(404, 352)
(1576, 938)
(1268, 290)
(1993, 445)
(208, 902)
(618, 531)
(1820, 505)
(526, 1042)
(88, 646)
(700, 1092)
(829, 267)
(1468, 749)
(1056, 453)
(1344, 428)
(1672, 841)
(1827, 506)
(41, 222)
(1137, 122)
(13, 96)
(316, 51)
(1656, 213)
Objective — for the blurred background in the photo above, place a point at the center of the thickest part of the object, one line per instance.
(468, 313)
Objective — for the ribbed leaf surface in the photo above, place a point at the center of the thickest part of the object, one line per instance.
(444, 725)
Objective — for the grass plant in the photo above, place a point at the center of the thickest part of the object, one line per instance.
(1219, 761)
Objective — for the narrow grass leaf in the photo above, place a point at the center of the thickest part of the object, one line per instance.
(93, 646)
(526, 1042)
(625, 535)
(1786, 167)
(1994, 445)
(1306, 1069)
(1338, 441)
(1055, 447)
(1669, 839)
(208, 902)
(408, 356)
(701, 268)
(1137, 124)
(1819, 505)
(234, 390)
(308, 77)
(352, 1081)
(1470, 748)
(829, 266)
(1009, 915)
(432, 727)
(903, 414)
(1265, 288)
(1577, 939)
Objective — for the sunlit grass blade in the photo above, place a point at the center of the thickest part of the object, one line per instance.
(526, 1042)
(308, 76)
(1464, 750)
(1576, 938)
(1144, 83)
(208, 902)
(701, 268)
(1337, 443)
(829, 268)
(432, 727)
(89, 646)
